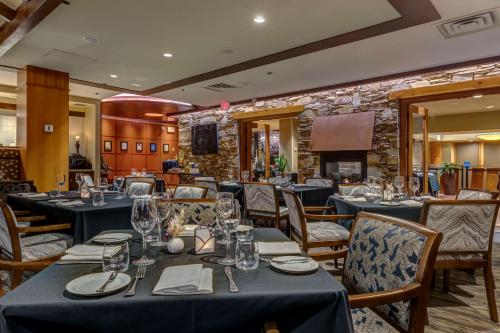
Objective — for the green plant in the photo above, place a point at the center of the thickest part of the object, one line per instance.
(448, 168)
(281, 162)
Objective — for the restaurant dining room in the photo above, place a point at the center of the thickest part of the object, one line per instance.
(249, 166)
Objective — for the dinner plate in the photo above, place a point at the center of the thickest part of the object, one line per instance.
(88, 284)
(390, 203)
(294, 267)
(112, 237)
(58, 200)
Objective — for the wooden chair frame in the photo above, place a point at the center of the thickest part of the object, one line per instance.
(16, 264)
(494, 195)
(254, 214)
(417, 292)
(204, 194)
(485, 264)
(129, 180)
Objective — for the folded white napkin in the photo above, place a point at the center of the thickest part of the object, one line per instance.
(271, 248)
(411, 203)
(144, 196)
(87, 254)
(185, 280)
(33, 195)
(355, 199)
(71, 203)
(188, 230)
(229, 183)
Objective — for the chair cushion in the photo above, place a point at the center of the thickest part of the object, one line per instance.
(326, 231)
(446, 257)
(283, 213)
(365, 320)
(44, 246)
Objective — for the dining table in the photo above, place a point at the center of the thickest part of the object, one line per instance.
(314, 302)
(346, 205)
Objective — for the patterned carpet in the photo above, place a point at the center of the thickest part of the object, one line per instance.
(464, 309)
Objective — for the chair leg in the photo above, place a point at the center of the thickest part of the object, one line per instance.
(335, 260)
(446, 280)
(490, 292)
(16, 279)
(433, 279)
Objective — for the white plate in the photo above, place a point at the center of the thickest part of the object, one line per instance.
(111, 238)
(389, 203)
(59, 200)
(295, 268)
(88, 284)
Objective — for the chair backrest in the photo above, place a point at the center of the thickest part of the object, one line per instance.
(274, 180)
(386, 253)
(9, 238)
(475, 194)
(88, 180)
(186, 191)
(353, 189)
(15, 186)
(213, 187)
(196, 211)
(260, 197)
(296, 215)
(203, 178)
(139, 185)
(467, 225)
(322, 182)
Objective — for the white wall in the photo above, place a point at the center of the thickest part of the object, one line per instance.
(76, 127)
(8, 130)
(288, 142)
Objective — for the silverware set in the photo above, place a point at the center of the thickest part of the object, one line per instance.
(141, 272)
(111, 278)
(233, 288)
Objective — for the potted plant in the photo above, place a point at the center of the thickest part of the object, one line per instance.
(281, 163)
(448, 177)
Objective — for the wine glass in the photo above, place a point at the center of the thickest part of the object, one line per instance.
(414, 185)
(133, 172)
(79, 180)
(246, 175)
(117, 185)
(399, 182)
(103, 183)
(219, 198)
(144, 172)
(163, 208)
(229, 226)
(61, 180)
(143, 220)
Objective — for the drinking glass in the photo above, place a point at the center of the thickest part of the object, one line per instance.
(60, 180)
(133, 172)
(246, 175)
(247, 255)
(115, 257)
(144, 172)
(103, 183)
(97, 198)
(143, 220)
(162, 213)
(414, 185)
(244, 231)
(399, 182)
(221, 196)
(117, 185)
(228, 226)
(79, 180)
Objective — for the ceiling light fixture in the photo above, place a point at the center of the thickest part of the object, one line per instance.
(153, 114)
(114, 76)
(490, 106)
(132, 97)
(259, 19)
(135, 84)
(489, 137)
(477, 96)
(168, 55)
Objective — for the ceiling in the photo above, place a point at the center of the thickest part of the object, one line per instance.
(129, 41)
(460, 137)
(485, 103)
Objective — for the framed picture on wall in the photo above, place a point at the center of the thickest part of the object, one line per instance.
(138, 147)
(166, 147)
(152, 147)
(108, 145)
(170, 129)
(124, 145)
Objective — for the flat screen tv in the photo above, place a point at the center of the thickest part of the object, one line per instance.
(204, 139)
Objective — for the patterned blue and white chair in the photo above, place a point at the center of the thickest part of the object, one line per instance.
(354, 190)
(186, 191)
(211, 185)
(322, 237)
(468, 227)
(87, 179)
(24, 254)
(475, 194)
(262, 203)
(139, 185)
(387, 272)
(196, 211)
(321, 182)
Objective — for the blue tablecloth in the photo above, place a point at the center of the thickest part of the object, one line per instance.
(298, 303)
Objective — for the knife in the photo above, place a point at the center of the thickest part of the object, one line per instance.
(233, 288)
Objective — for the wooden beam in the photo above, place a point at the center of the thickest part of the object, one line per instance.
(8, 89)
(29, 14)
(464, 86)
(6, 12)
(8, 106)
(288, 111)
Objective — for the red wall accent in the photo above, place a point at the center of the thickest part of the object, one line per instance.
(120, 161)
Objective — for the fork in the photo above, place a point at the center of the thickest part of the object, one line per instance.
(141, 272)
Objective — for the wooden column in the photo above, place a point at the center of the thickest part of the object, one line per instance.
(267, 130)
(43, 99)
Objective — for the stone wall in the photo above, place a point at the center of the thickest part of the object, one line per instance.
(383, 159)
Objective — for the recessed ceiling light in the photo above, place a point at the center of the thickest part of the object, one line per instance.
(259, 19)
(90, 39)
(153, 114)
(490, 106)
(114, 76)
(135, 84)
(477, 96)
(168, 55)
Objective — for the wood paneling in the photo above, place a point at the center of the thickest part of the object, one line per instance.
(43, 98)
(108, 127)
(436, 153)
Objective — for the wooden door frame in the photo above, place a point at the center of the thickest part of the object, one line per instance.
(486, 86)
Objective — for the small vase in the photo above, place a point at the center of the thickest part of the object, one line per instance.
(175, 245)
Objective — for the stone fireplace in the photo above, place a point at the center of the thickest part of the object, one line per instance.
(349, 167)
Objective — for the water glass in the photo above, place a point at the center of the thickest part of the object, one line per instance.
(244, 231)
(414, 184)
(133, 172)
(103, 183)
(229, 226)
(144, 172)
(60, 180)
(98, 198)
(53, 193)
(247, 255)
(115, 257)
(399, 182)
(246, 175)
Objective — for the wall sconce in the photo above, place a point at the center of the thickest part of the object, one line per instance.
(204, 241)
